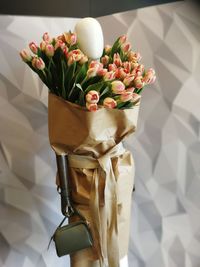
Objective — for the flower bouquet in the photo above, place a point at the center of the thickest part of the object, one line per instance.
(93, 106)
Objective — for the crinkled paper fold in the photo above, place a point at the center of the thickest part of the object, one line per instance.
(101, 173)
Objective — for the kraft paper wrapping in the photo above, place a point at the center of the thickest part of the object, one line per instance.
(101, 173)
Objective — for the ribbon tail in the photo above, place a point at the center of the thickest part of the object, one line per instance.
(112, 215)
(94, 206)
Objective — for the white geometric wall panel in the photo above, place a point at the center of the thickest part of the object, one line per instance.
(165, 226)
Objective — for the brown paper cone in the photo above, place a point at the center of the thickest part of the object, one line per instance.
(101, 174)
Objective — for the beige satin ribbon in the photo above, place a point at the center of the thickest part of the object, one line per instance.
(103, 164)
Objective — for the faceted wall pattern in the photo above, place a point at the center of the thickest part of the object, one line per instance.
(165, 227)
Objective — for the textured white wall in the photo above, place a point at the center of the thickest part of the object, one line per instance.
(166, 147)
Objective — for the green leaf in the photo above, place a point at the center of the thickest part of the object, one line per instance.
(127, 105)
(75, 92)
(81, 73)
(91, 81)
(69, 76)
(73, 47)
(105, 91)
(63, 71)
(115, 47)
(120, 105)
(96, 86)
(81, 100)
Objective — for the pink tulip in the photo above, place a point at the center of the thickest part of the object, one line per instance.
(127, 66)
(134, 66)
(83, 60)
(120, 73)
(74, 55)
(107, 49)
(122, 39)
(133, 56)
(117, 87)
(59, 43)
(70, 38)
(128, 79)
(73, 39)
(25, 55)
(49, 50)
(126, 47)
(95, 64)
(92, 97)
(91, 107)
(140, 70)
(112, 67)
(110, 75)
(126, 96)
(38, 63)
(130, 89)
(33, 47)
(135, 98)
(109, 103)
(105, 60)
(138, 82)
(43, 45)
(46, 37)
(92, 72)
(117, 60)
(149, 77)
(102, 72)
(70, 61)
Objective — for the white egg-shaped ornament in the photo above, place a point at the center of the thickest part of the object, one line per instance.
(90, 37)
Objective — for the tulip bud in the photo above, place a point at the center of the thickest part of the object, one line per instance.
(128, 79)
(25, 55)
(73, 39)
(109, 102)
(130, 89)
(92, 97)
(110, 75)
(126, 47)
(149, 77)
(33, 47)
(70, 61)
(95, 64)
(140, 70)
(46, 37)
(92, 72)
(135, 57)
(117, 60)
(138, 82)
(126, 96)
(120, 73)
(117, 87)
(127, 66)
(91, 107)
(135, 98)
(49, 50)
(59, 43)
(122, 39)
(43, 45)
(105, 60)
(70, 38)
(112, 67)
(83, 60)
(38, 63)
(102, 72)
(76, 54)
(107, 49)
